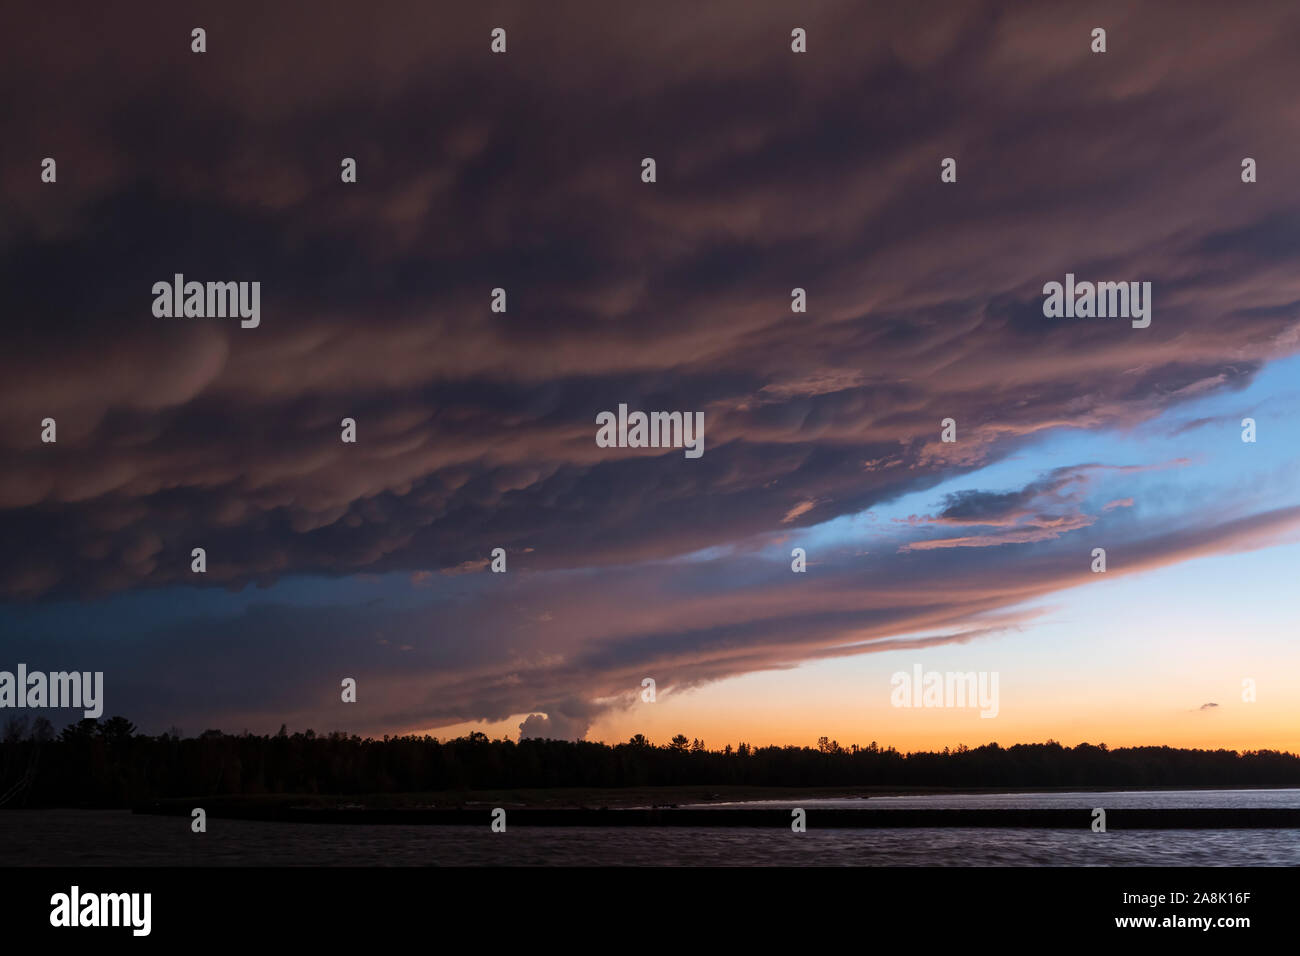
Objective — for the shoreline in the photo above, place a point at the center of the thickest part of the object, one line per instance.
(832, 818)
(587, 798)
(724, 806)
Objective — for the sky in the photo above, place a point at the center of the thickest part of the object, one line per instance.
(476, 430)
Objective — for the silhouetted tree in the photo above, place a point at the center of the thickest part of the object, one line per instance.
(117, 728)
(109, 764)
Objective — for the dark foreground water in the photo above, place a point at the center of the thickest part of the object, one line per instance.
(110, 837)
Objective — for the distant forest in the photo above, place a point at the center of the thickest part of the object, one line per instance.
(107, 764)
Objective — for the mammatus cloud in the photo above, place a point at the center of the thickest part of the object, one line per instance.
(476, 429)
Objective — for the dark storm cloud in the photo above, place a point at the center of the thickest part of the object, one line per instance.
(522, 171)
(575, 644)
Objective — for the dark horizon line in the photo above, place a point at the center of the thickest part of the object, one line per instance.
(108, 765)
(118, 726)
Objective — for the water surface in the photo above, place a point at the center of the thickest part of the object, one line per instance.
(114, 837)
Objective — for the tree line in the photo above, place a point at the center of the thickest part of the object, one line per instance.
(106, 763)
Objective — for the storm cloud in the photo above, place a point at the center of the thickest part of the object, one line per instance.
(522, 171)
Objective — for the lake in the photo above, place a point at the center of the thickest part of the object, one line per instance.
(114, 837)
